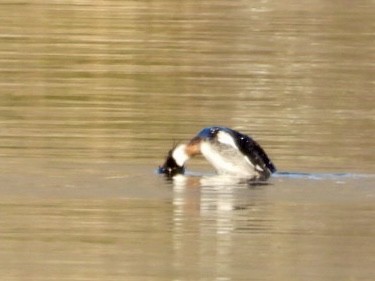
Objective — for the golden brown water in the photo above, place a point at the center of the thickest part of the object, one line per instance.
(93, 94)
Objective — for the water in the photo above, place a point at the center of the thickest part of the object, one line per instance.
(94, 94)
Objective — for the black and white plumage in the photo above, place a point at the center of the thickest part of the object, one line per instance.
(229, 151)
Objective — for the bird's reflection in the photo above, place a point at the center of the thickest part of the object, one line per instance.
(218, 197)
(216, 209)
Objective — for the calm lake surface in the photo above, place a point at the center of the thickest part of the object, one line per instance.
(94, 93)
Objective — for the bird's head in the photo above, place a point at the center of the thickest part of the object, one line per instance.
(174, 162)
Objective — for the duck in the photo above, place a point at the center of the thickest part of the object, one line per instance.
(228, 151)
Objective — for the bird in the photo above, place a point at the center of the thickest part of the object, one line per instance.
(228, 151)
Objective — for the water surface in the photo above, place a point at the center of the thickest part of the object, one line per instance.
(93, 94)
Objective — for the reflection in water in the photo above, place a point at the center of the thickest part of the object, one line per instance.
(284, 230)
(216, 223)
(218, 199)
(292, 229)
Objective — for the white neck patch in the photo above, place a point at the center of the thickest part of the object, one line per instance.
(179, 154)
